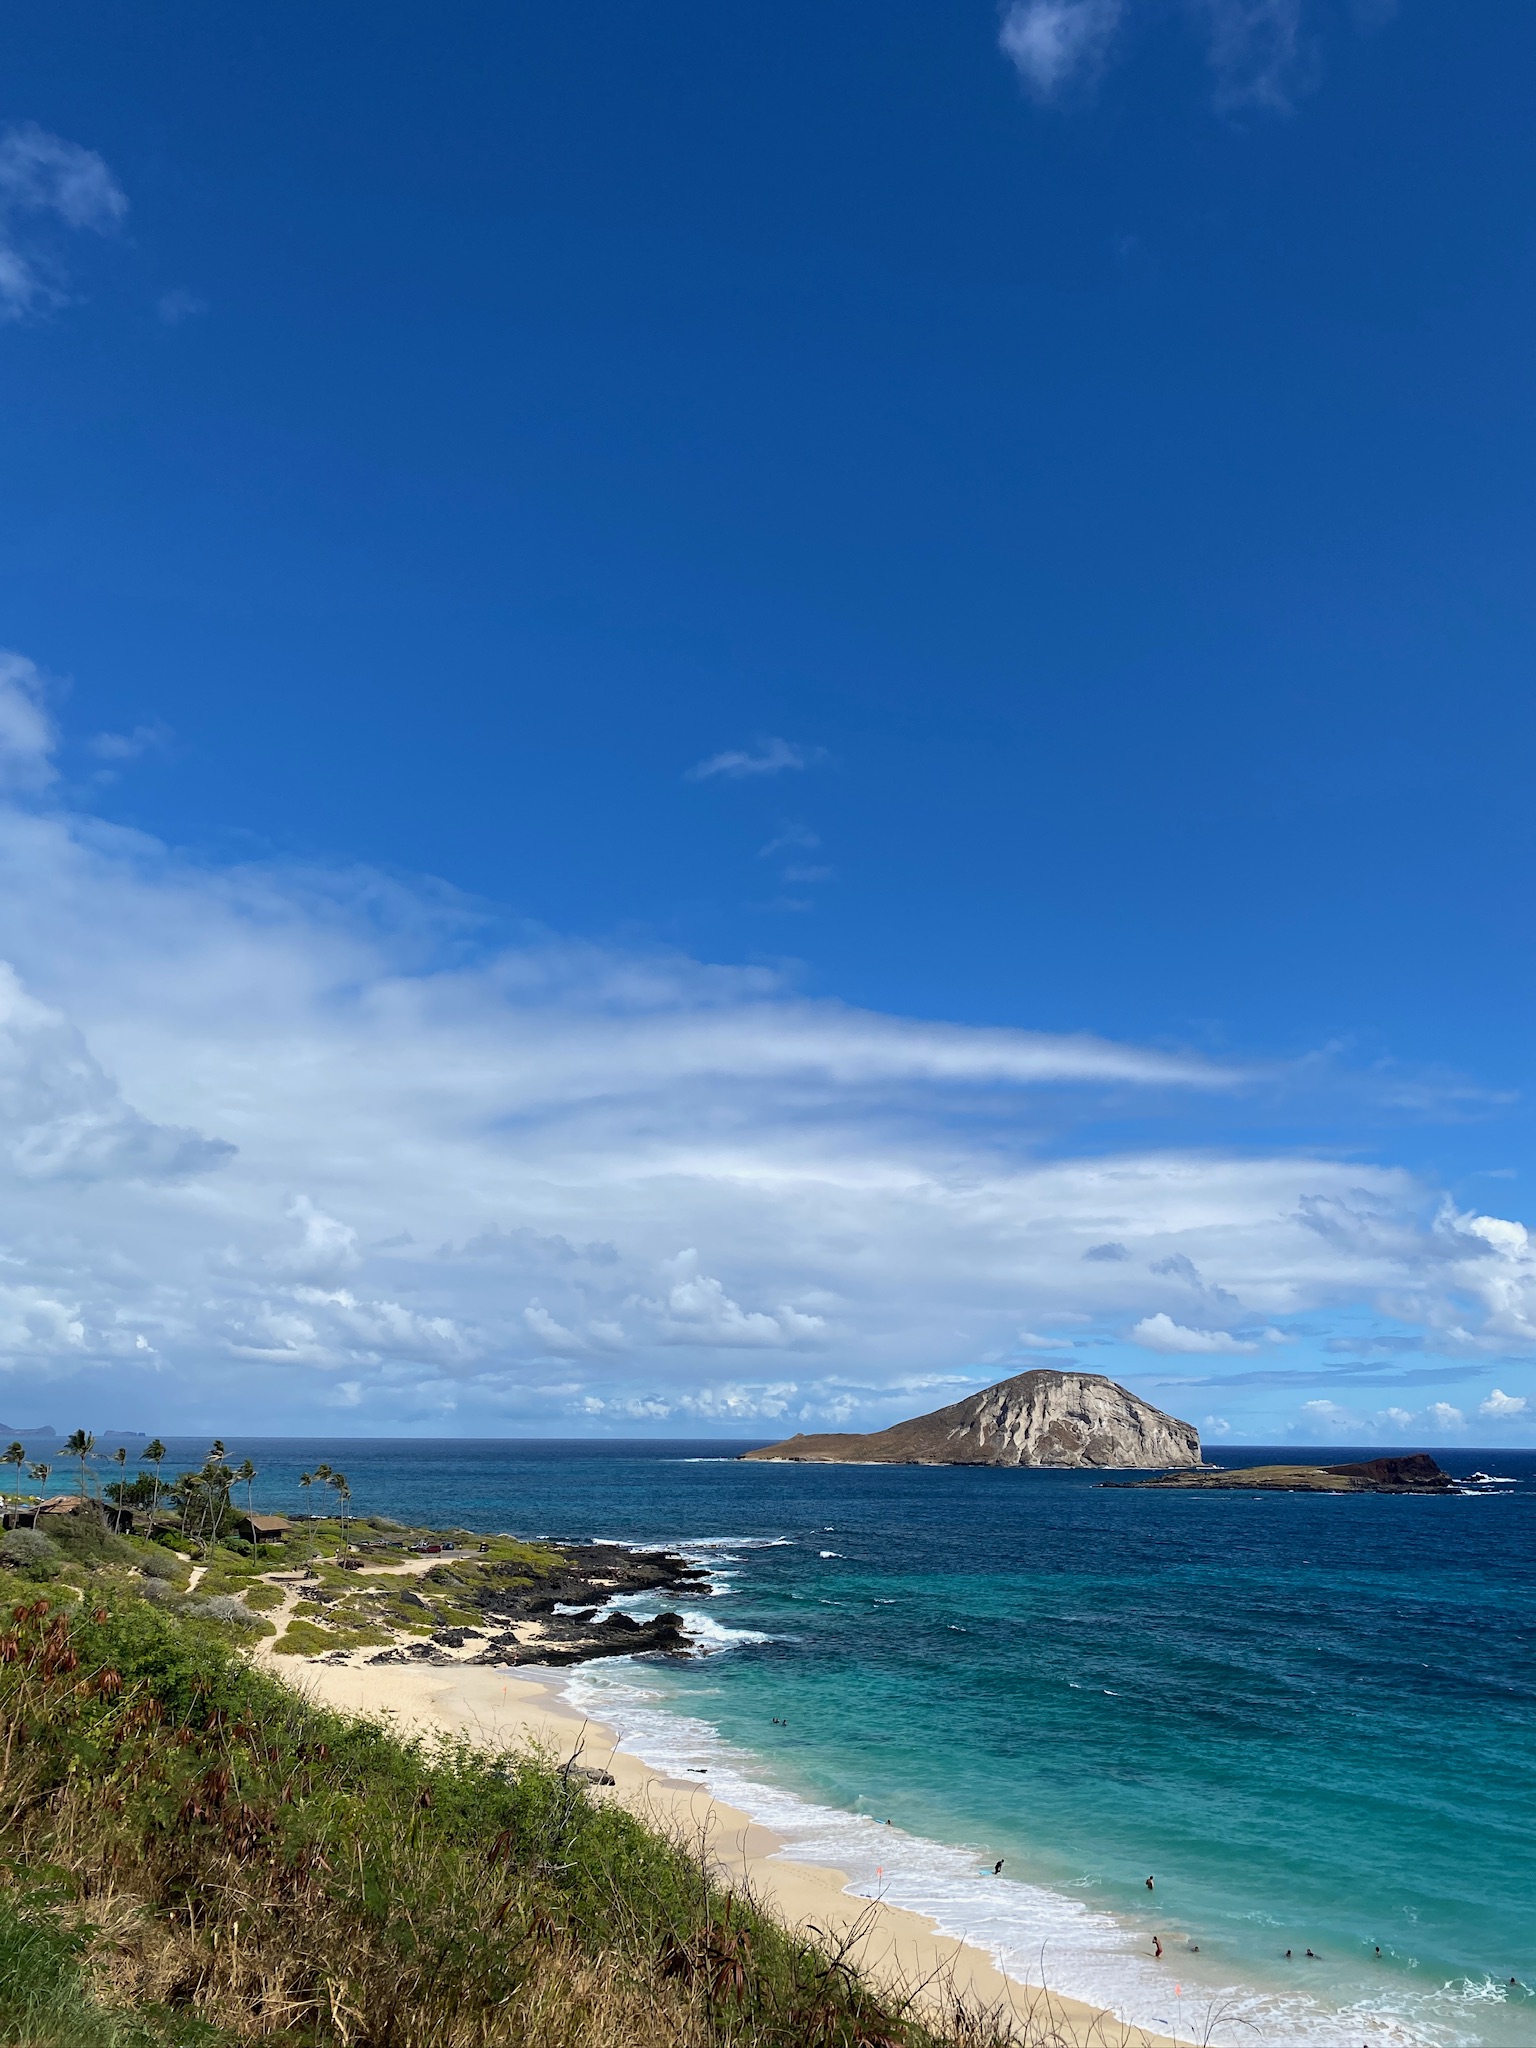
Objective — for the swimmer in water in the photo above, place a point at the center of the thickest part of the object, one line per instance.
(1150, 1885)
(997, 1866)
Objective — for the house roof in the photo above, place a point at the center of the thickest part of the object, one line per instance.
(265, 1525)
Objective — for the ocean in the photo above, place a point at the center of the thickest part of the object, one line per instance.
(1311, 1720)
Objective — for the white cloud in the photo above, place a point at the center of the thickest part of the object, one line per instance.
(735, 1403)
(63, 1118)
(27, 735)
(1162, 1333)
(697, 1310)
(552, 1336)
(1215, 1425)
(129, 746)
(1058, 43)
(1257, 50)
(255, 1142)
(42, 176)
(1327, 1419)
(772, 757)
(176, 306)
(1503, 1407)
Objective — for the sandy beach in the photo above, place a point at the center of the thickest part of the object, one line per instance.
(514, 1710)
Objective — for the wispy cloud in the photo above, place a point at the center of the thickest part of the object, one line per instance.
(43, 178)
(1056, 44)
(119, 747)
(268, 1133)
(27, 735)
(770, 757)
(1259, 51)
(1255, 51)
(175, 307)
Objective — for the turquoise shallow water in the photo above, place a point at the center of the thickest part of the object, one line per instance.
(1312, 1720)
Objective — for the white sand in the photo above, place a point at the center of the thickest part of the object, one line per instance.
(505, 1710)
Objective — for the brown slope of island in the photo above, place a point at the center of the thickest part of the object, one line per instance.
(1036, 1418)
(1415, 1473)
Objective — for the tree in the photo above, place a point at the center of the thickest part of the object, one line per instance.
(153, 1454)
(247, 1478)
(338, 1481)
(321, 1475)
(204, 1497)
(17, 1456)
(82, 1445)
(40, 1473)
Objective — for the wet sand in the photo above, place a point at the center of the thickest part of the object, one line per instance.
(515, 1710)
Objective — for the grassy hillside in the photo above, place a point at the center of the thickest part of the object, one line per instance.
(189, 1853)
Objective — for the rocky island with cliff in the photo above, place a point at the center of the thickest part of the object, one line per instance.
(1044, 1418)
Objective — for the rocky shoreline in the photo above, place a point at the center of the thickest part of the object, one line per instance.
(559, 1615)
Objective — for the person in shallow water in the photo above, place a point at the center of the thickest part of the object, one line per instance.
(997, 1866)
(1157, 1948)
(1150, 1885)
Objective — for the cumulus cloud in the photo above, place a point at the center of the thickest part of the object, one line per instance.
(771, 757)
(1503, 1407)
(697, 1310)
(43, 178)
(1162, 1333)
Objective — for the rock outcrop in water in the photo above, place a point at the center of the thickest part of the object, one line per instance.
(1416, 1472)
(1036, 1418)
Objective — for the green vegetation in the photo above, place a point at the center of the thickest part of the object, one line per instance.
(191, 1853)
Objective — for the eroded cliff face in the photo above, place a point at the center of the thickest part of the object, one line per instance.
(1037, 1418)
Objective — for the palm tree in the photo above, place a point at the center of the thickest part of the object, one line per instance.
(17, 1456)
(82, 1445)
(321, 1474)
(153, 1454)
(40, 1473)
(247, 1477)
(338, 1480)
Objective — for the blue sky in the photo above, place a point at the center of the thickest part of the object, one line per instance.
(724, 721)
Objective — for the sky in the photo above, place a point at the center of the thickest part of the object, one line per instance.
(718, 722)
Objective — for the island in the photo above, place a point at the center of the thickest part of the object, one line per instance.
(1044, 1417)
(1415, 1473)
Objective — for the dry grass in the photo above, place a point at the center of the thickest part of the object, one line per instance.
(235, 1862)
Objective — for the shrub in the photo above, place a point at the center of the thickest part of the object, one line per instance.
(226, 1607)
(30, 1552)
(155, 1563)
(85, 1539)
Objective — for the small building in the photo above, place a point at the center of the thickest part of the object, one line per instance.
(263, 1528)
(37, 1514)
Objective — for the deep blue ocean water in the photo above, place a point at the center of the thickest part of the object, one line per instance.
(1311, 1719)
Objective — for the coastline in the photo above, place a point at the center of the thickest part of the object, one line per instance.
(511, 1709)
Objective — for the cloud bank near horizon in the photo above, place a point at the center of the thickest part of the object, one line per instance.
(280, 1143)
